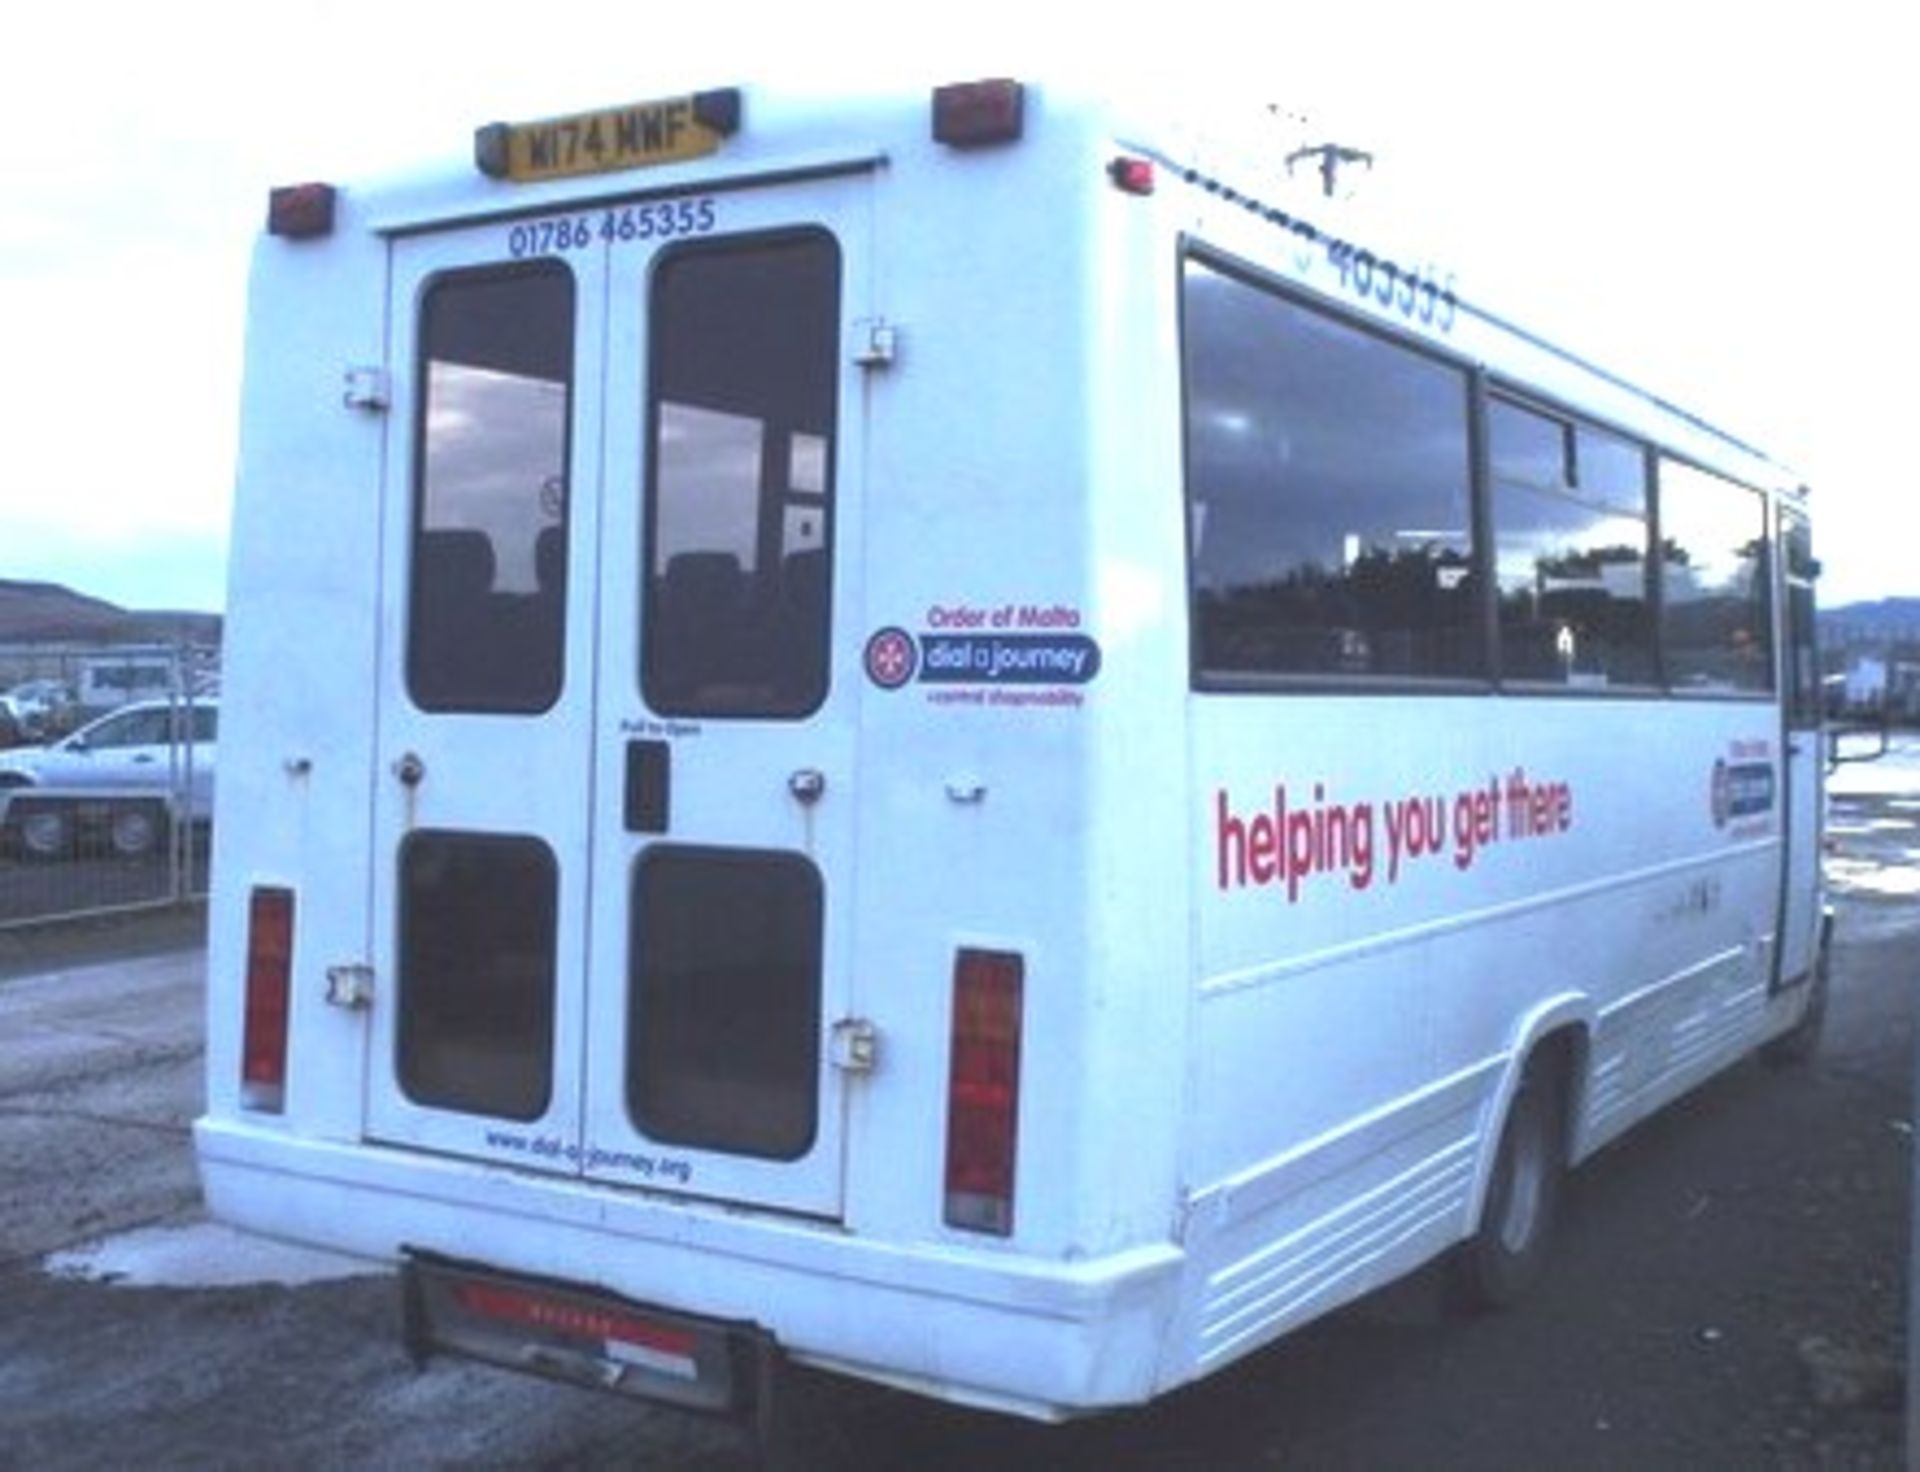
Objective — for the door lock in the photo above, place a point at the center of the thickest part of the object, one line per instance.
(410, 770)
(807, 785)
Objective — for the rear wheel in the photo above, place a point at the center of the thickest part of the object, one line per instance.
(1507, 1254)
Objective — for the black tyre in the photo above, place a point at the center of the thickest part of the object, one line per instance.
(1507, 1254)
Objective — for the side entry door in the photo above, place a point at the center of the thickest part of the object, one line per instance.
(1803, 763)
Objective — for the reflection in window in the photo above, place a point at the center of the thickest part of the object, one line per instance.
(487, 619)
(1715, 570)
(1570, 539)
(744, 354)
(1328, 483)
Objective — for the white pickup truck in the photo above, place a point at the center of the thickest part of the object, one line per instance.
(120, 781)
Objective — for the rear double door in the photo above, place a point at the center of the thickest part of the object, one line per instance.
(613, 748)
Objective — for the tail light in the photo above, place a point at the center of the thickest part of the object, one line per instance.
(263, 1062)
(983, 1091)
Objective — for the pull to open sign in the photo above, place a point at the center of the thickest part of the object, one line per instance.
(638, 135)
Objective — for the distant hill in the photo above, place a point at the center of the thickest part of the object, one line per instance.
(47, 613)
(1886, 618)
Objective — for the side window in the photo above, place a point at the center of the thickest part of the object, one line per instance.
(1570, 550)
(1716, 576)
(487, 611)
(1329, 495)
(744, 359)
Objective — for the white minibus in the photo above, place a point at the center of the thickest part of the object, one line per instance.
(947, 738)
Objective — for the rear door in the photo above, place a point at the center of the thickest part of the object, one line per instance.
(617, 738)
(724, 747)
(485, 701)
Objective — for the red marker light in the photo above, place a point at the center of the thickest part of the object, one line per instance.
(301, 211)
(975, 114)
(1132, 175)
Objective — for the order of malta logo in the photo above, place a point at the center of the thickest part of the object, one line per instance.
(892, 658)
(969, 649)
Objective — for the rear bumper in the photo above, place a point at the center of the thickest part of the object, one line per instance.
(1038, 1338)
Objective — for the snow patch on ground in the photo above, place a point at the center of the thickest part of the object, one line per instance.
(202, 1255)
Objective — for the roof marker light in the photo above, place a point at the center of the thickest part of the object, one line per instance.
(976, 114)
(301, 211)
(1131, 175)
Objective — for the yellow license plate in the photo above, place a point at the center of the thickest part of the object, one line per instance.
(637, 136)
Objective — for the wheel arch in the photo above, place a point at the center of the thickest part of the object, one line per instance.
(1558, 1035)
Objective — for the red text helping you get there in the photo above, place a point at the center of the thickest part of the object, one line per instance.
(1307, 831)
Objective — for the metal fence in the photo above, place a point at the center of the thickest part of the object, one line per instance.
(106, 778)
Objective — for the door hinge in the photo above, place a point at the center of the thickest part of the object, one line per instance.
(855, 1046)
(877, 342)
(366, 388)
(350, 987)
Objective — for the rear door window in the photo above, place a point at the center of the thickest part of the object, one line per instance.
(486, 625)
(744, 376)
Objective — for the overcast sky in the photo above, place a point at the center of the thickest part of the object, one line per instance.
(1715, 210)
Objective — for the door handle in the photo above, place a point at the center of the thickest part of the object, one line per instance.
(649, 802)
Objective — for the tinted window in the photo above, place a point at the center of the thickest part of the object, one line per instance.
(1328, 477)
(744, 371)
(476, 986)
(488, 603)
(1570, 540)
(1715, 571)
(724, 1048)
